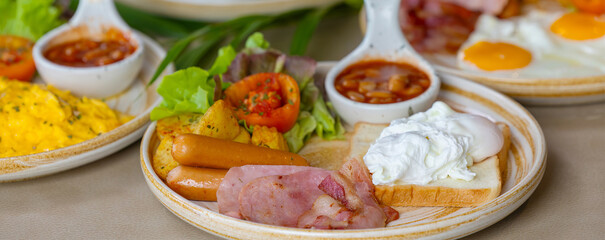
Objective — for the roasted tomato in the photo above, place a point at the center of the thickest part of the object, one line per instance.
(590, 6)
(266, 99)
(16, 60)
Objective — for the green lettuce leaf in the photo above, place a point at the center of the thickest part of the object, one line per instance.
(188, 90)
(28, 18)
(223, 60)
(301, 132)
(257, 40)
(328, 127)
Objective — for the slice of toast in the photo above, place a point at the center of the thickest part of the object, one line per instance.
(446, 192)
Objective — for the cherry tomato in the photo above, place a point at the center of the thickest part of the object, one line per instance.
(16, 60)
(266, 99)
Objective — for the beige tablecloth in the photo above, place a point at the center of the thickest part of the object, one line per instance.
(109, 199)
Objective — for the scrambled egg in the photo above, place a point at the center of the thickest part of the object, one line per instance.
(37, 118)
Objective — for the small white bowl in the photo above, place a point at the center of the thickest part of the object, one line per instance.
(383, 41)
(91, 21)
(352, 112)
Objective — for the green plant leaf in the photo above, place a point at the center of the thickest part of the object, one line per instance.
(305, 30)
(151, 24)
(175, 51)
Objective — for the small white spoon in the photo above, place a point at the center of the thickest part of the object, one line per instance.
(92, 20)
(383, 40)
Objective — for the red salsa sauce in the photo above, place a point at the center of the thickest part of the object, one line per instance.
(380, 82)
(90, 53)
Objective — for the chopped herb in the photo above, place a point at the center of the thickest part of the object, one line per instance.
(291, 89)
(16, 108)
(70, 122)
(79, 116)
(268, 80)
(191, 120)
(265, 96)
(69, 136)
(290, 102)
(261, 113)
(258, 84)
(44, 122)
(162, 167)
(209, 126)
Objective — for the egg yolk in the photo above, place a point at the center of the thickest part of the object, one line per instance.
(579, 26)
(497, 56)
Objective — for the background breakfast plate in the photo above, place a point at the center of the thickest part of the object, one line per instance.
(527, 90)
(527, 163)
(137, 100)
(220, 10)
(532, 91)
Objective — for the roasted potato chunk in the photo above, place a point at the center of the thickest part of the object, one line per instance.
(269, 137)
(162, 158)
(218, 122)
(175, 125)
(243, 137)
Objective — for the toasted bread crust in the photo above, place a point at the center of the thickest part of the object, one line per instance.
(427, 196)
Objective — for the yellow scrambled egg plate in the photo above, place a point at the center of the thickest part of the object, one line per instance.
(37, 118)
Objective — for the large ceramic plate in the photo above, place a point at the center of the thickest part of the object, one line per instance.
(220, 10)
(527, 162)
(137, 100)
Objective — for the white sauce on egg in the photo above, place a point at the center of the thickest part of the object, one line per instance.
(432, 145)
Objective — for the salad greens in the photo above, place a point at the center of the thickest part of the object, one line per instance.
(192, 89)
(28, 18)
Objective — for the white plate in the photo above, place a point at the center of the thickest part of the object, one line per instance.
(221, 10)
(527, 162)
(530, 90)
(137, 100)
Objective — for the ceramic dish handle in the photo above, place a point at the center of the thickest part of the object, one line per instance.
(96, 13)
(383, 29)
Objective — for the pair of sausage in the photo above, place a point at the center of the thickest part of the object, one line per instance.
(204, 161)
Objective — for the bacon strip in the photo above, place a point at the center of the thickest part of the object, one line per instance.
(304, 197)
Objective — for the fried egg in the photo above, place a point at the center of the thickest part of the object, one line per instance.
(538, 44)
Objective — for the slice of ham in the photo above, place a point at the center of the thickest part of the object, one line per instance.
(442, 26)
(281, 199)
(304, 197)
(228, 192)
(326, 213)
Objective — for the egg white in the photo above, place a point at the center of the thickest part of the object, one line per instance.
(552, 56)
